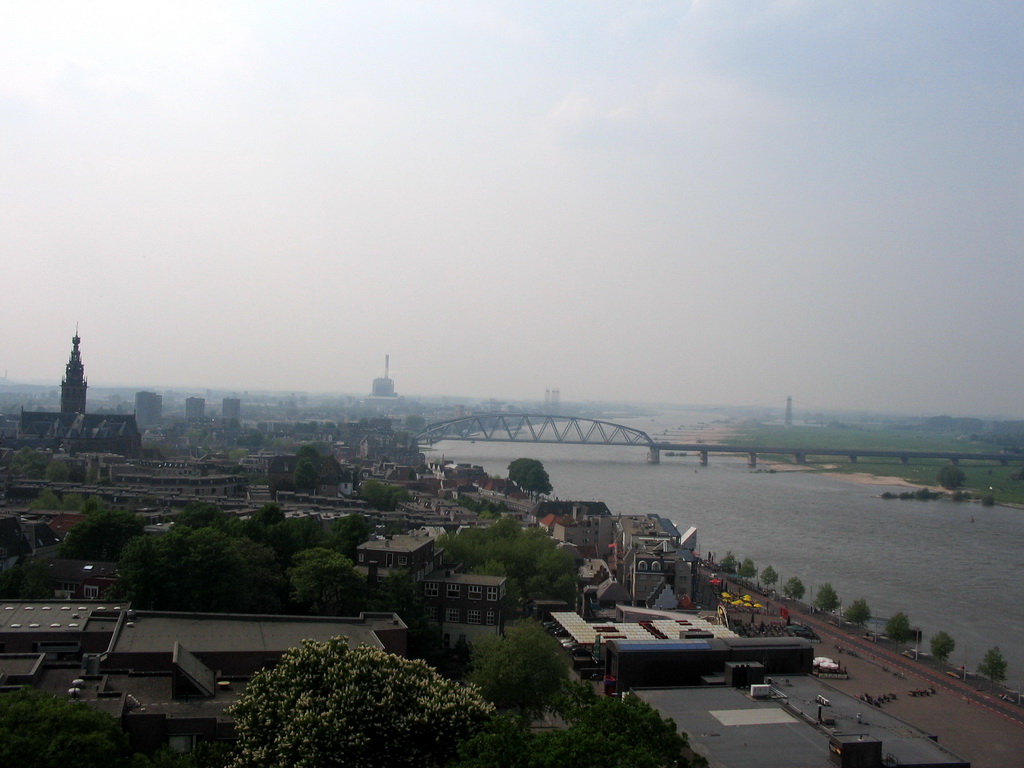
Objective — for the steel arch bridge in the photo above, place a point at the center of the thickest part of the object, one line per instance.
(534, 428)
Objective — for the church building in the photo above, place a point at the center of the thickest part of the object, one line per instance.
(73, 430)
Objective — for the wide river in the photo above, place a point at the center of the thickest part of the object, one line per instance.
(948, 566)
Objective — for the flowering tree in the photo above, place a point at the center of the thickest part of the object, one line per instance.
(326, 704)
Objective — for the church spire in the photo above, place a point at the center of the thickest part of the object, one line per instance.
(73, 386)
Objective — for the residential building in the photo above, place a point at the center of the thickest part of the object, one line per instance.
(195, 408)
(148, 408)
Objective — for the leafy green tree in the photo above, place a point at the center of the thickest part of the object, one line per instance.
(30, 463)
(897, 627)
(769, 576)
(201, 570)
(307, 468)
(201, 514)
(383, 496)
(993, 666)
(951, 477)
(57, 472)
(326, 583)
(46, 499)
(326, 704)
(27, 581)
(793, 588)
(72, 502)
(102, 535)
(826, 600)
(858, 613)
(729, 563)
(530, 559)
(38, 730)
(629, 731)
(345, 535)
(747, 569)
(530, 475)
(942, 645)
(523, 671)
(398, 593)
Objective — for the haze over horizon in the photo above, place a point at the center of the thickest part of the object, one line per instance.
(718, 203)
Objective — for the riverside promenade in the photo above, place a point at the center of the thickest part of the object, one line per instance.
(965, 716)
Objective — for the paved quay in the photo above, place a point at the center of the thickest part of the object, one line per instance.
(973, 723)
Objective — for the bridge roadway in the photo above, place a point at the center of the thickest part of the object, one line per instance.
(577, 430)
(800, 454)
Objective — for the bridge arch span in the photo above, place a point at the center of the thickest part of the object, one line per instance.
(534, 428)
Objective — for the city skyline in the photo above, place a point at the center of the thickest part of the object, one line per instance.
(704, 203)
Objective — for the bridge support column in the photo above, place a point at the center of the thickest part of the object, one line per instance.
(703, 458)
(800, 458)
(904, 460)
(751, 459)
(853, 458)
(653, 455)
(955, 462)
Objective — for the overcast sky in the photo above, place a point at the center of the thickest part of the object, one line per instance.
(705, 202)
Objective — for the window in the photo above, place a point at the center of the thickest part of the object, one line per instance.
(362, 557)
(451, 614)
(492, 593)
(642, 565)
(476, 592)
(430, 589)
(472, 617)
(655, 566)
(490, 618)
(432, 612)
(91, 590)
(453, 590)
(403, 559)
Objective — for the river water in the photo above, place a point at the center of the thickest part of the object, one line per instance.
(948, 566)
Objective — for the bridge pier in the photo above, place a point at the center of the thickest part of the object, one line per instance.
(751, 459)
(653, 455)
(800, 458)
(904, 460)
(853, 458)
(703, 458)
(955, 462)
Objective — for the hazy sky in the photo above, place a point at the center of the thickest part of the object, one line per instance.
(705, 202)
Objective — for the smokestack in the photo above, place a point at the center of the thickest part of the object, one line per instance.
(387, 364)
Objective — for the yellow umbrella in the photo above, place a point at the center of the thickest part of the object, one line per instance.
(738, 602)
(726, 594)
(747, 598)
(758, 605)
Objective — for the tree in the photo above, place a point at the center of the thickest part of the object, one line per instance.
(201, 514)
(769, 576)
(201, 570)
(30, 463)
(951, 477)
(858, 613)
(383, 496)
(29, 580)
(327, 583)
(345, 535)
(46, 499)
(326, 704)
(530, 475)
(826, 600)
(307, 468)
(103, 535)
(942, 646)
(523, 670)
(898, 627)
(793, 588)
(57, 472)
(398, 593)
(629, 731)
(747, 569)
(38, 730)
(728, 563)
(993, 666)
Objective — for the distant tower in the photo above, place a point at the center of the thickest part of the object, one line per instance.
(384, 387)
(195, 408)
(149, 407)
(231, 408)
(789, 411)
(556, 399)
(73, 385)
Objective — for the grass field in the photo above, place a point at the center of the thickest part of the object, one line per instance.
(982, 477)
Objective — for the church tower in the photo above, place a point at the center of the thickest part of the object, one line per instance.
(73, 386)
